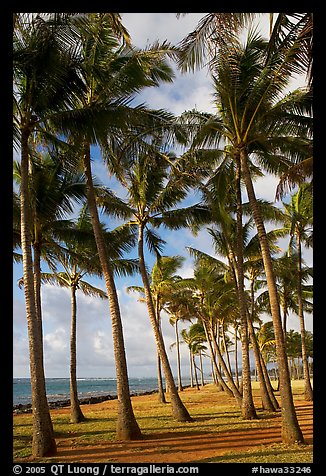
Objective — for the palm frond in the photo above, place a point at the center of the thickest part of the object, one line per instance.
(154, 242)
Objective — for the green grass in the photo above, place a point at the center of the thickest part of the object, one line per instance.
(212, 413)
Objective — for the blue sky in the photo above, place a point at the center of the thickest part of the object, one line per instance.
(94, 346)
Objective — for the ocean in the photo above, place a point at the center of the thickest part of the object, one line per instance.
(59, 389)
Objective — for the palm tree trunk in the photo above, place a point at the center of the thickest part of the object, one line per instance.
(226, 349)
(248, 409)
(195, 371)
(291, 431)
(236, 357)
(76, 415)
(179, 411)
(269, 401)
(161, 395)
(127, 426)
(180, 387)
(201, 368)
(37, 290)
(237, 395)
(191, 369)
(43, 443)
(308, 393)
(37, 284)
(285, 315)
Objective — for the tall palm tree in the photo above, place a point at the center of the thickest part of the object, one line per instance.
(44, 77)
(72, 279)
(112, 72)
(178, 307)
(152, 193)
(80, 259)
(253, 119)
(162, 281)
(249, 89)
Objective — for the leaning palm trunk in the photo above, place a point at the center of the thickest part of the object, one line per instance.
(76, 415)
(43, 443)
(220, 381)
(195, 370)
(247, 408)
(291, 431)
(227, 355)
(266, 392)
(308, 393)
(179, 411)
(235, 392)
(268, 400)
(127, 426)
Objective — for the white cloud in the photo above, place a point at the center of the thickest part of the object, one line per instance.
(56, 342)
(146, 28)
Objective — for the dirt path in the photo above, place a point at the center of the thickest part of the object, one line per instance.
(185, 447)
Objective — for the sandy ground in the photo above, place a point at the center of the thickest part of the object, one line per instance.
(180, 447)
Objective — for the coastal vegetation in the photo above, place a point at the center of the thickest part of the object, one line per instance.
(75, 80)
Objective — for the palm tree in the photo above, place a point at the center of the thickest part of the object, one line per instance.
(72, 278)
(214, 297)
(288, 32)
(152, 193)
(112, 73)
(300, 216)
(53, 192)
(162, 282)
(266, 342)
(253, 121)
(249, 82)
(179, 308)
(198, 336)
(44, 76)
(194, 338)
(81, 259)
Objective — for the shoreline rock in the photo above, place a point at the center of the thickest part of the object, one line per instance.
(27, 407)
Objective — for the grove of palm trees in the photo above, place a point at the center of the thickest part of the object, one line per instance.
(78, 81)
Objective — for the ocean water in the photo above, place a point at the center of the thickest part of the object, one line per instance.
(59, 389)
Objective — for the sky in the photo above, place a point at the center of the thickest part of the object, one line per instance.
(94, 338)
